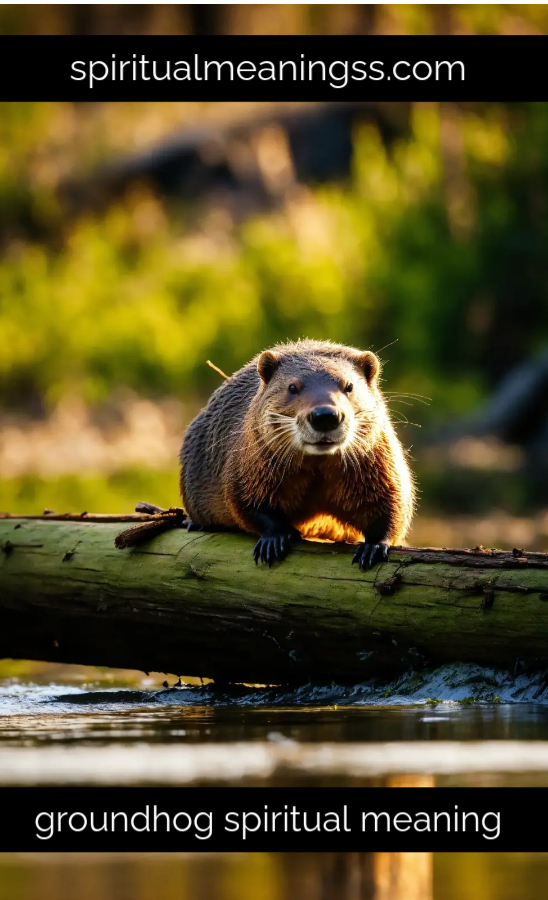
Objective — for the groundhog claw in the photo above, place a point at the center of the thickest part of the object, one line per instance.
(368, 554)
(272, 549)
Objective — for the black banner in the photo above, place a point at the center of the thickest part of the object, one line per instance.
(263, 819)
(476, 68)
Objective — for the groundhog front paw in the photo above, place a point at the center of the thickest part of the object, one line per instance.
(368, 554)
(192, 526)
(274, 548)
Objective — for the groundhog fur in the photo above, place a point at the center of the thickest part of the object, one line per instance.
(299, 443)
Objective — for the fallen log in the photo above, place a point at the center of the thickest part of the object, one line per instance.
(195, 604)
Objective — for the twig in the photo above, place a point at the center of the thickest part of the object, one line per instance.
(82, 517)
(156, 523)
(216, 368)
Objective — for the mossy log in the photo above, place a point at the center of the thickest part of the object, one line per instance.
(195, 604)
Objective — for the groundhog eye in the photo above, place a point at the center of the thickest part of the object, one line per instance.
(293, 389)
(348, 389)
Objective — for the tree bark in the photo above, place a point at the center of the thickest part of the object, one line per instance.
(195, 604)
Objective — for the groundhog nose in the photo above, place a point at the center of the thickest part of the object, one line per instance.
(325, 418)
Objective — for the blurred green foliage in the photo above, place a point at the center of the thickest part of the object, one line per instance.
(109, 493)
(437, 242)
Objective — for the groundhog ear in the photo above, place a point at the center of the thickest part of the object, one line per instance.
(267, 365)
(369, 365)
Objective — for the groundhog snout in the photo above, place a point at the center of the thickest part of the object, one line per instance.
(325, 418)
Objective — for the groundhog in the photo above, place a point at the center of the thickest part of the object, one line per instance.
(299, 443)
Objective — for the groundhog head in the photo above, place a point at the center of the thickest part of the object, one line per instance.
(319, 402)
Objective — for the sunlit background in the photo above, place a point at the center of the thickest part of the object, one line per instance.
(140, 240)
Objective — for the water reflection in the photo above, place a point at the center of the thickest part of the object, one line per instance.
(254, 876)
(101, 724)
(274, 876)
(53, 734)
(134, 733)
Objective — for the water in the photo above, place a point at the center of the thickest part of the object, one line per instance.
(458, 725)
(418, 727)
(268, 876)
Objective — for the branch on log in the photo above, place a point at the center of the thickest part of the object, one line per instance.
(195, 604)
(150, 521)
(159, 520)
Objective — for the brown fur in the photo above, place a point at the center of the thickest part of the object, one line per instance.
(237, 456)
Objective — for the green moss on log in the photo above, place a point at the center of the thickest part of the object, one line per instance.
(195, 604)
